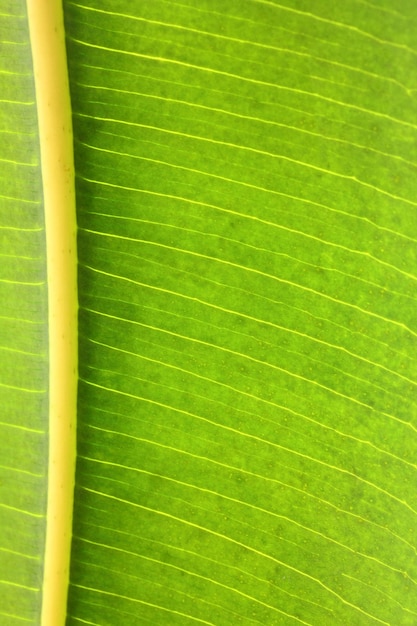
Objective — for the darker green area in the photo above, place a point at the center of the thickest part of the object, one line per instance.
(247, 242)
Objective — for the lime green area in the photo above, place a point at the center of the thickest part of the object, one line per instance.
(23, 330)
(247, 239)
(247, 212)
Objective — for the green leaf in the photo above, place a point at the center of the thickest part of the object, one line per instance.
(23, 330)
(245, 178)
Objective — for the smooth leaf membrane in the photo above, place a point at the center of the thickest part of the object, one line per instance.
(247, 267)
(23, 330)
(247, 234)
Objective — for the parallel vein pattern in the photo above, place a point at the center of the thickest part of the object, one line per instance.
(248, 268)
(23, 330)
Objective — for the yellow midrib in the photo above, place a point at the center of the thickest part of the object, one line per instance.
(55, 131)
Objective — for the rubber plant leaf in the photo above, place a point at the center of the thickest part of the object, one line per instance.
(247, 262)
